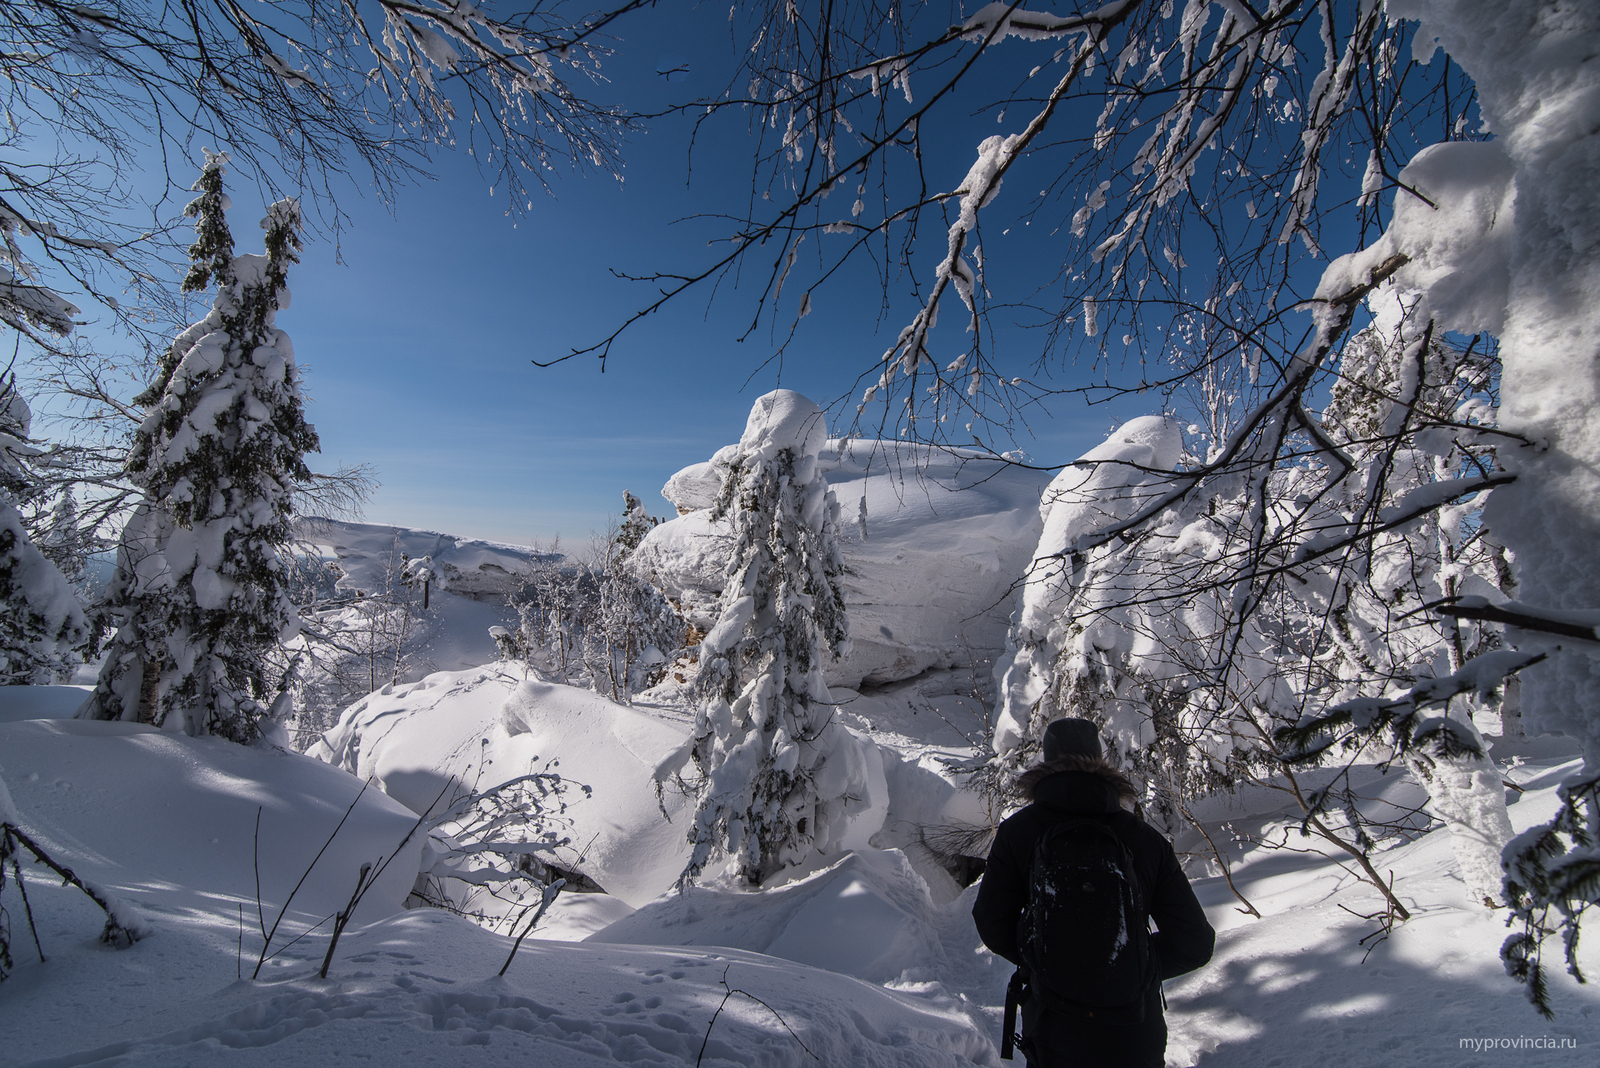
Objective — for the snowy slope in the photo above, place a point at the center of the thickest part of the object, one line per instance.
(165, 822)
(41, 702)
(929, 570)
(156, 810)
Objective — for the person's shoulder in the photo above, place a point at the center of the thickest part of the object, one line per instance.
(1023, 817)
(1137, 831)
(1022, 826)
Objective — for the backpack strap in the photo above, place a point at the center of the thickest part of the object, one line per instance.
(1016, 994)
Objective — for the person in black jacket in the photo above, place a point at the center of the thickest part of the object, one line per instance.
(1074, 781)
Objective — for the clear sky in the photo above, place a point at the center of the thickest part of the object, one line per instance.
(417, 348)
(416, 332)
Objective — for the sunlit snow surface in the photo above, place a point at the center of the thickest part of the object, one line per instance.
(166, 823)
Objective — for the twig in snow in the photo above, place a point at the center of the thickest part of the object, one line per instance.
(547, 895)
(27, 908)
(115, 931)
(723, 1003)
(266, 935)
(343, 918)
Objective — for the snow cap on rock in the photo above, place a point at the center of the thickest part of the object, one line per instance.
(1146, 440)
(695, 487)
(783, 419)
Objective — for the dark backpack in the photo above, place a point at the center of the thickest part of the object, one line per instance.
(1085, 934)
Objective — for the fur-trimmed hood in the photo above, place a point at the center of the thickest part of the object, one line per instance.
(1121, 788)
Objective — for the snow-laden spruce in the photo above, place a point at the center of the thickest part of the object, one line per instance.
(777, 773)
(42, 627)
(1061, 616)
(1395, 379)
(200, 595)
(1266, 596)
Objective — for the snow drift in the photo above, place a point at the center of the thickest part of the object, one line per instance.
(488, 725)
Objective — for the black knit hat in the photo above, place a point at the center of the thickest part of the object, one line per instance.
(1072, 737)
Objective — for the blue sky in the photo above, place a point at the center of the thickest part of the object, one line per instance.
(418, 347)
(417, 331)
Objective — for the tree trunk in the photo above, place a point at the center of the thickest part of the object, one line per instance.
(149, 692)
(1466, 792)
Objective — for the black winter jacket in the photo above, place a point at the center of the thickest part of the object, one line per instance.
(1183, 940)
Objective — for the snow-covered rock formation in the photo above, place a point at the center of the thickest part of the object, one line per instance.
(467, 567)
(488, 725)
(938, 539)
(1109, 482)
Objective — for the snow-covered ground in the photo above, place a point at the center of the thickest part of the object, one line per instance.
(166, 823)
(856, 963)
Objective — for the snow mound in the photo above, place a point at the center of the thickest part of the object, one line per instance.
(940, 536)
(488, 725)
(41, 702)
(1457, 242)
(694, 487)
(687, 559)
(144, 812)
(868, 915)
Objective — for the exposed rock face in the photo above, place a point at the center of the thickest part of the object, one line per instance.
(930, 563)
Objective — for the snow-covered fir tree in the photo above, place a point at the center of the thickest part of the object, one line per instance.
(1414, 414)
(636, 523)
(200, 595)
(42, 626)
(635, 626)
(63, 541)
(777, 774)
